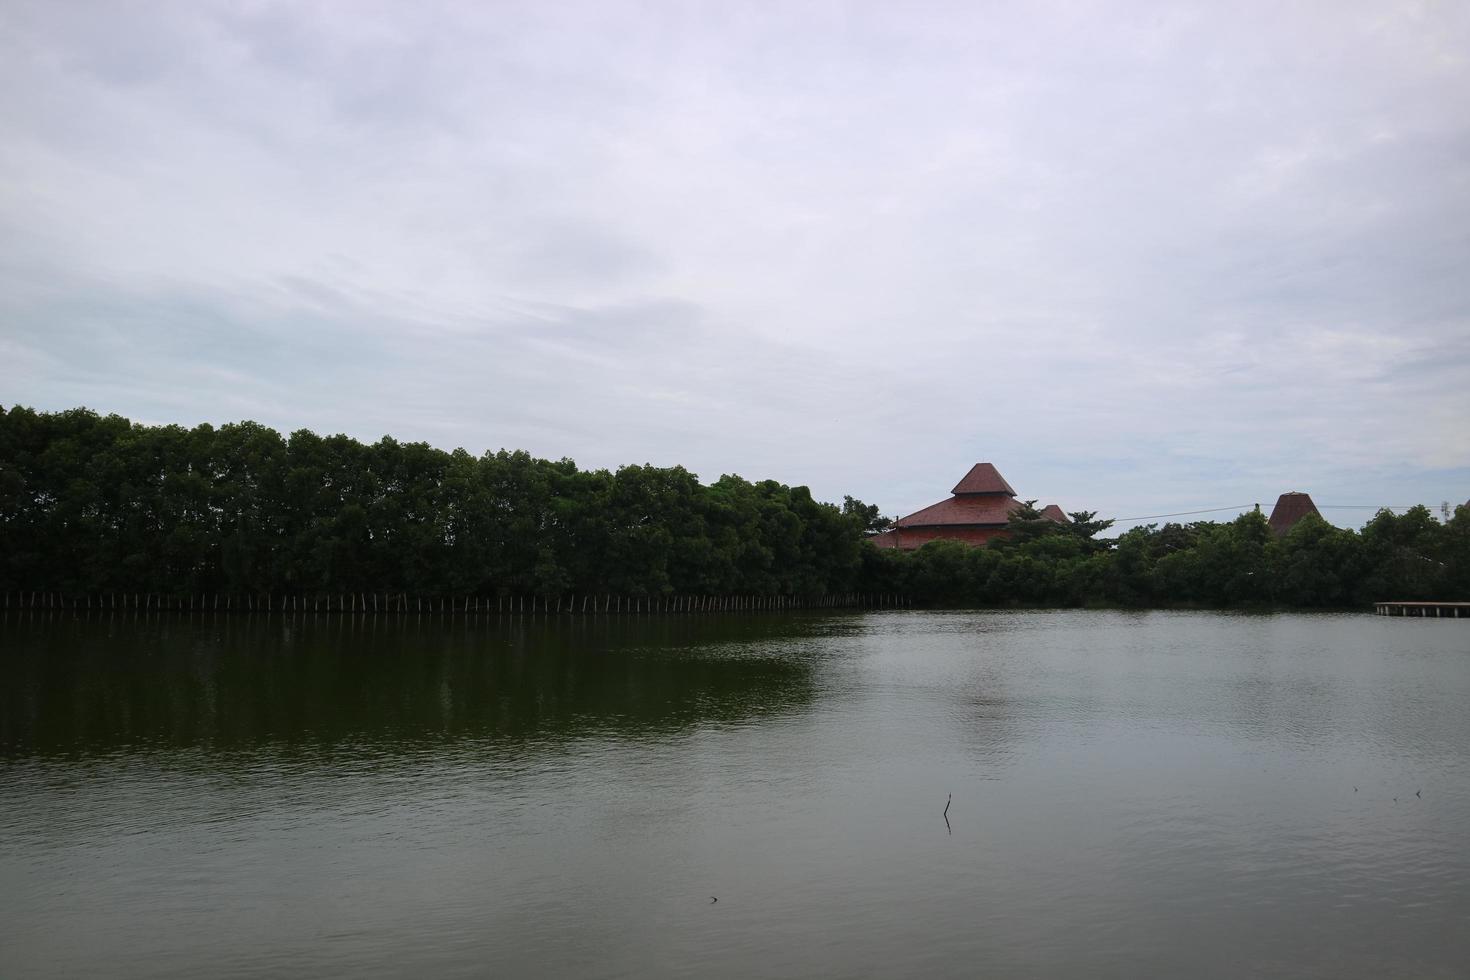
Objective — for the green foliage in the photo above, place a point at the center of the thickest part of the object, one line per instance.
(1405, 557)
(96, 504)
(1027, 525)
(865, 516)
(1235, 564)
(1454, 551)
(93, 504)
(1318, 564)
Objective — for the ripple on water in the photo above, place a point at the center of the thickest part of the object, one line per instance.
(1132, 794)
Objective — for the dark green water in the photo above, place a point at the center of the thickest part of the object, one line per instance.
(1133, 795)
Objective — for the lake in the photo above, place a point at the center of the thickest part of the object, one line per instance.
(1129, 794)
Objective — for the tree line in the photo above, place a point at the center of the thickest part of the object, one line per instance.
(1230, 564)
(97, 504)
(94, 504)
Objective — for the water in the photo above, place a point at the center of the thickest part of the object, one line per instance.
(1133, 795)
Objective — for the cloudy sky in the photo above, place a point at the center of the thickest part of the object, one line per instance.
(1144, 257)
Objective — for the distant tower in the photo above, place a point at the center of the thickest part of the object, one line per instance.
(1291, 507)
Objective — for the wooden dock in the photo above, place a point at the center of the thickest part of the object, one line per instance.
(1422, 609)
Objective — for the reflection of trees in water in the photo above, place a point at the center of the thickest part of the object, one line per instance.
(107, 682)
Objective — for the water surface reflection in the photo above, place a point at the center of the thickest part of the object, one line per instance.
(1133, 795)
(103, 683)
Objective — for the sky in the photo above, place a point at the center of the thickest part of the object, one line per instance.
(1144, 257)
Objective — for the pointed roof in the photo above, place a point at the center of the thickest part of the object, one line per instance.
(1291, 507)
(983, 478)
(1054, 513)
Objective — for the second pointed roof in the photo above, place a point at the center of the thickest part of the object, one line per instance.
(1291, 507)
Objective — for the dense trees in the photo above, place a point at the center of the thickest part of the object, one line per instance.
(92, 504)
(1239, 563)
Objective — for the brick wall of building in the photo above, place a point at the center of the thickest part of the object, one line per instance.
(908, 538)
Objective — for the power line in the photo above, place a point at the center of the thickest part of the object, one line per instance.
(1244, 507)
(1181, 513)
(1367, 506)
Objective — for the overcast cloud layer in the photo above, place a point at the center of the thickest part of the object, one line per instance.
(1143, 257)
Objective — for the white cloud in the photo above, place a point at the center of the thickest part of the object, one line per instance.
(1140, 258)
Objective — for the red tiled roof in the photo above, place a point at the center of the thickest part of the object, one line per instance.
(989, 508)
(1290, 508)
(885, 539)
(1054, 513)
(984, 478)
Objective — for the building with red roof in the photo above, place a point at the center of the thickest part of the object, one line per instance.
(977, 511)
(1291, 507)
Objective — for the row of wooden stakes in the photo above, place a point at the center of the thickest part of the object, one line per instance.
(399, 602)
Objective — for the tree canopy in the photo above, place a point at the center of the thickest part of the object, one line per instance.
(96, 504)
(1239, 563)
